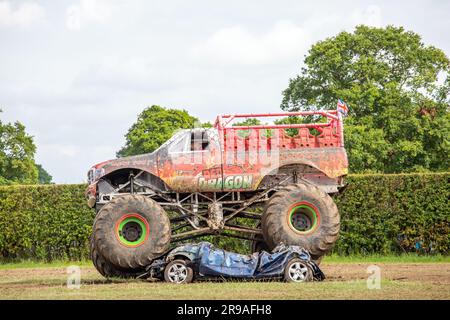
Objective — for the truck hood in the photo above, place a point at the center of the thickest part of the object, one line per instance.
(146, 162)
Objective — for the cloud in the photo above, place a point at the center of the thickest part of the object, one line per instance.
(61, 150)
(238, 45)
(283, 43)
(87, 11)
(370, 16)
(113, 75)
(23, 16)
(69, 151)
(69, 163)
(79, 92)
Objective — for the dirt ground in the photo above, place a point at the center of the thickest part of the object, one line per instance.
(433, 273)
(344, 281)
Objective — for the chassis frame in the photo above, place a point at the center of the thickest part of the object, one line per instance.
(197, 214)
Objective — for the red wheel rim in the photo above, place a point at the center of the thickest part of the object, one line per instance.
(132, 230)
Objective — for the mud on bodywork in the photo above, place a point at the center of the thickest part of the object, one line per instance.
(220, 159)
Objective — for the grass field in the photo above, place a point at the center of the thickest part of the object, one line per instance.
(404, 277)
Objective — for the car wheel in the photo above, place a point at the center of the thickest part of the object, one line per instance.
(177, 271)
(298, 271)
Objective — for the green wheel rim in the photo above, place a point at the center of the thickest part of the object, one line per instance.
(132, 230)
(307, 214)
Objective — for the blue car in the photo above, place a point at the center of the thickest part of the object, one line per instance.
(202, 260)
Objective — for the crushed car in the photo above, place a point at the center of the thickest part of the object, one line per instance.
(202, 260)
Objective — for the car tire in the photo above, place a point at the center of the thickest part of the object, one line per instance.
(130, 231)
(178, 271)
(298, 271)
(303, 215)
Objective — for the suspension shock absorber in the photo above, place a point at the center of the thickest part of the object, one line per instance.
(131, 182)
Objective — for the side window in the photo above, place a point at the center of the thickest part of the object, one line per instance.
(199, 141)
(180, 145)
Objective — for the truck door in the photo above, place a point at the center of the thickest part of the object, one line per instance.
(193, 162)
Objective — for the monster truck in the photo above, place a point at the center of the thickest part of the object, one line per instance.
(208, 181)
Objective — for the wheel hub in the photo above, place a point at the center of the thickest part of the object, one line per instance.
(301, 221)
(298, 272)
(177, 273)
(131, 231)
(303, 218)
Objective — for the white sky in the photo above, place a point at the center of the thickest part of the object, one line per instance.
(77, 73)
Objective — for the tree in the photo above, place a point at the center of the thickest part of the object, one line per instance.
(154, 126)
(397, 90)
(43, 176)
(248, 122)
(16, 155)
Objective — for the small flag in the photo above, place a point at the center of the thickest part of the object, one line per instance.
(342, 107)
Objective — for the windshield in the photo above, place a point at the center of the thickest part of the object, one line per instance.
(190, 140)
(176, 136)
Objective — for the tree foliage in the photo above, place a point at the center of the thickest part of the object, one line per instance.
(397, 89)
(248, 122)
(43, 176)
(16, 155)
(17, 149)
(154, 126)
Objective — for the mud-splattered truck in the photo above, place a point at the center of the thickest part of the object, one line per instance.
(206, 181)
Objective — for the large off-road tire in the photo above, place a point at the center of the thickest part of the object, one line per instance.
(303, 215)
(108, 270)
(130, 231)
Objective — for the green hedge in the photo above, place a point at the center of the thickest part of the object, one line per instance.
(44, 222)
(379, 213)
(395, 214)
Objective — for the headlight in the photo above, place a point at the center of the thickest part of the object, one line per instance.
(95, 174)
(90, 175)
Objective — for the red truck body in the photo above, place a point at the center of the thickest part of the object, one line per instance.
(242, 158)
